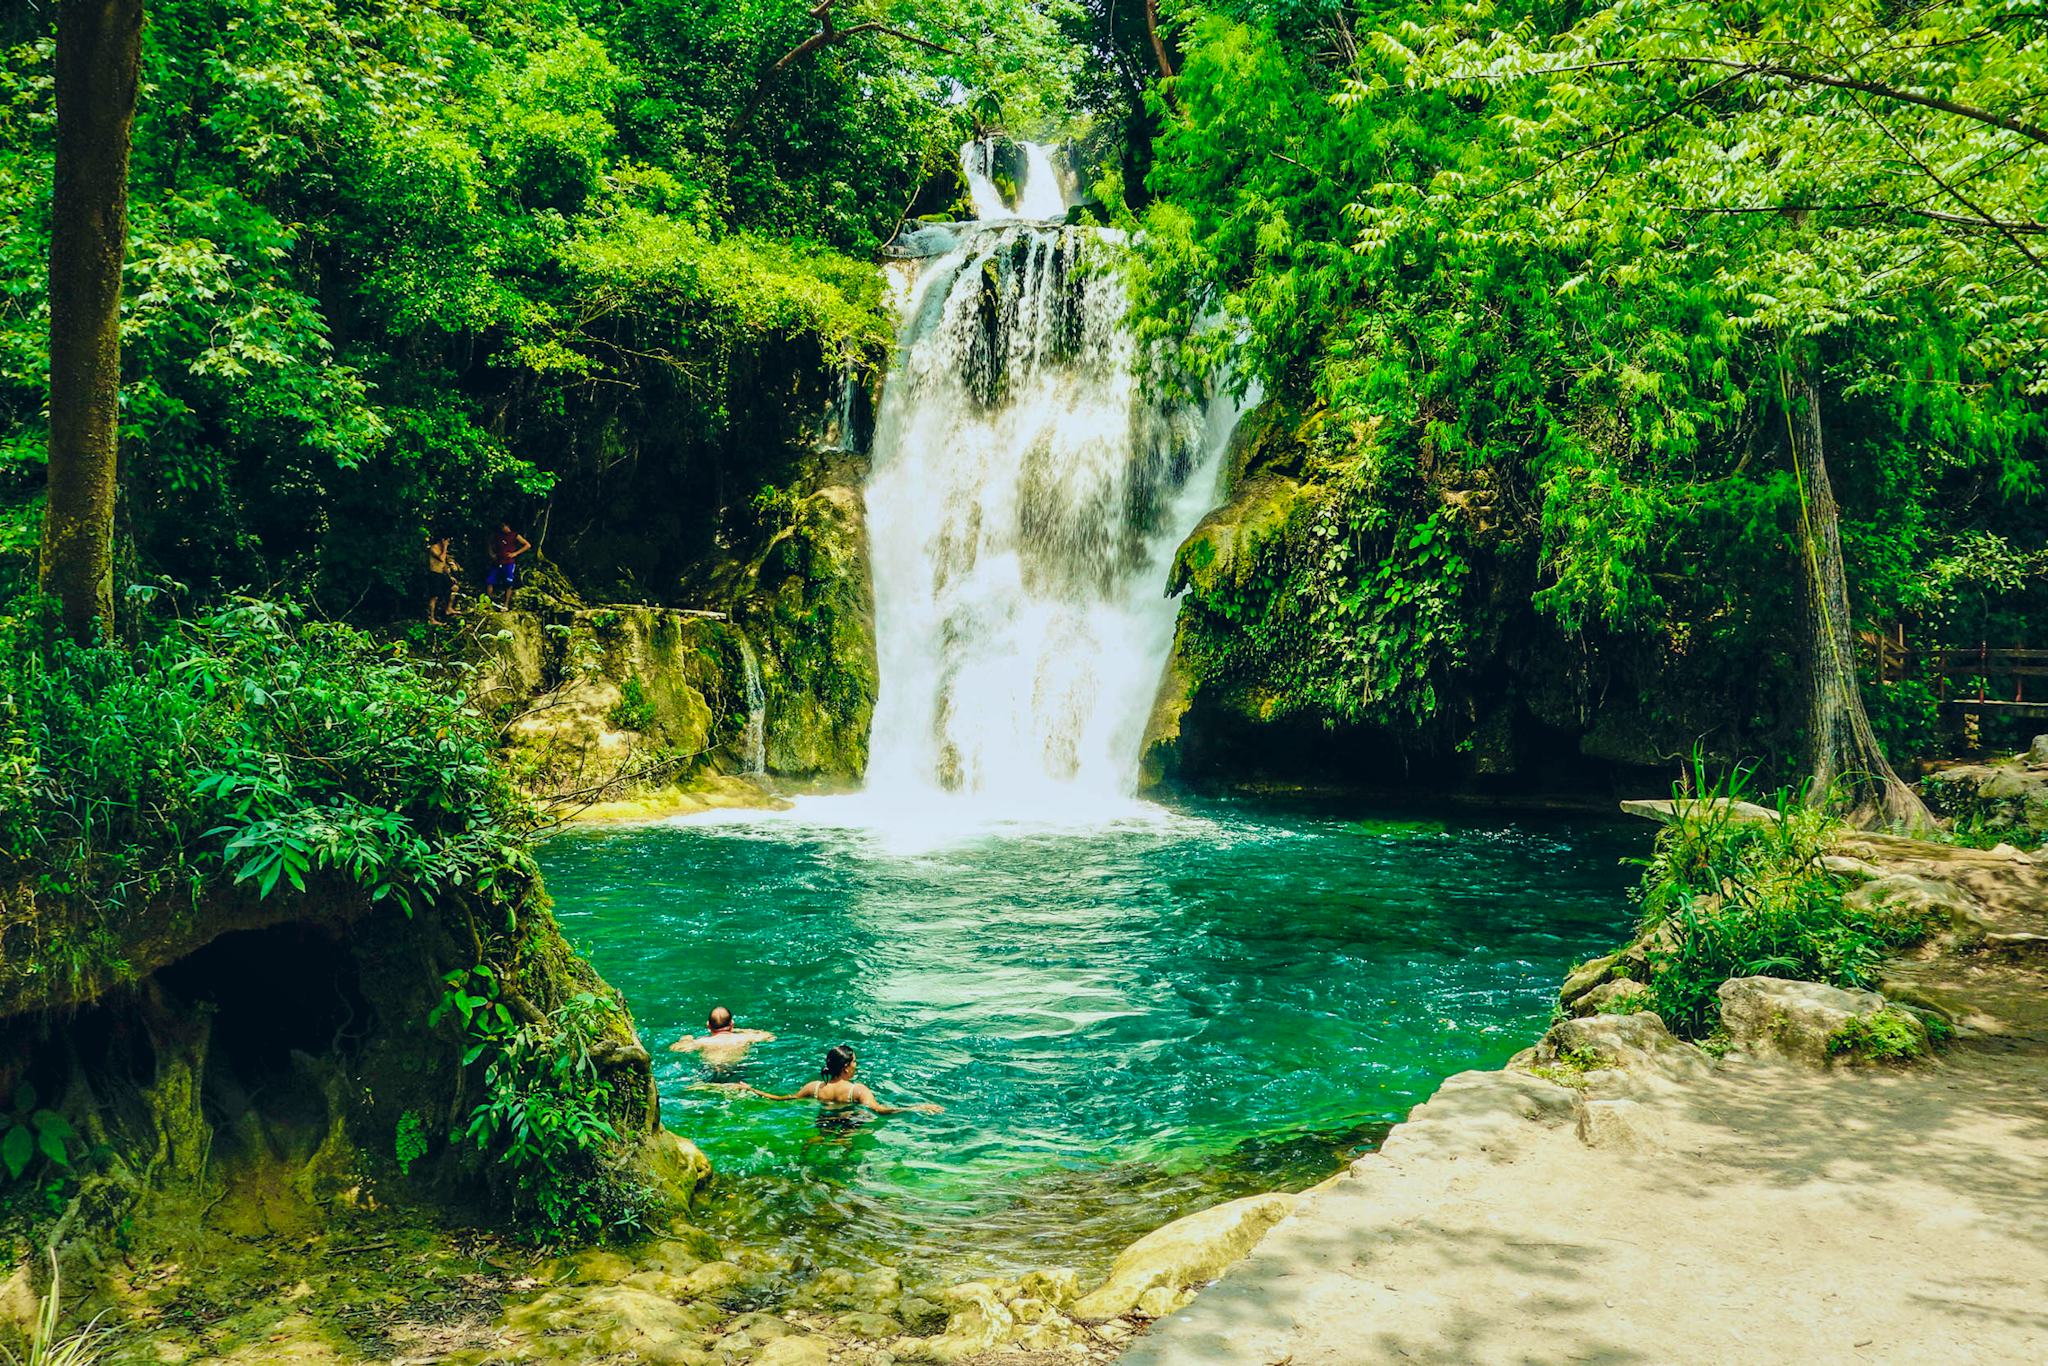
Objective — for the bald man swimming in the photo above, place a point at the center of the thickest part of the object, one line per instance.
(723, 1045)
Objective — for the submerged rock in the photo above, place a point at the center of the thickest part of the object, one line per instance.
(1185, 1253)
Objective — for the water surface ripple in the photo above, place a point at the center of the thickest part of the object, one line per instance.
(1125, 1021)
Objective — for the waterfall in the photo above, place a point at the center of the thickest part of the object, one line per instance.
(1027, 493)
(1040, 194)
(754, 744)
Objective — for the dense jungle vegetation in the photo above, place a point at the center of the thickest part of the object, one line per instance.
(396, 265)
(1549, 296)
(1575, 324)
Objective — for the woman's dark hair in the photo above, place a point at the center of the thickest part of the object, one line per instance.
(837, 1059)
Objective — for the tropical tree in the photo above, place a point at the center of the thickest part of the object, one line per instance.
(98, 53)
(1649, 271)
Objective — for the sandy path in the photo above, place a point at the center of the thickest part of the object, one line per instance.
(1752, 1213)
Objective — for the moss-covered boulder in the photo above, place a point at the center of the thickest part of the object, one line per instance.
(808, 606)
(619, 703)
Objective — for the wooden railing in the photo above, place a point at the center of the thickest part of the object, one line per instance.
(1982, 675)
(1996, 672)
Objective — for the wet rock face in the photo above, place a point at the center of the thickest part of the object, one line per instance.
(808, 606)
(590, 690)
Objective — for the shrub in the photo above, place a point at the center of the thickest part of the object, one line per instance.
(1890, 1034)
(635, 709)
(248, 742)
(1724, 896)
(542, 1118)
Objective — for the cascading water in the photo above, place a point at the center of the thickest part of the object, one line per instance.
(754, 743)
(1027, 494)
(1040, 194)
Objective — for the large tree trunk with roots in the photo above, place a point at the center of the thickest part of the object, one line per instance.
(1850, 771)
(98, 49)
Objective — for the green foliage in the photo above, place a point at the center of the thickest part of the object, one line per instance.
(542, 1117)
(1571, 1067)
(1888, 1034)
(1567, 258)
(1337, 606)
(634, 710)
(1725, 895)
(394, 267)
(250, 742)
(31, 1137)
(409, 1141)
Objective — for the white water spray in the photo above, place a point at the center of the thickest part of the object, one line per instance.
(1027, 495)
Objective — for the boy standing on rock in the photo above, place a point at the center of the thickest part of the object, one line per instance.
(506, 548)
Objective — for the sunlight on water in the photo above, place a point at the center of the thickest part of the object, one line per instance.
(1129, 1012)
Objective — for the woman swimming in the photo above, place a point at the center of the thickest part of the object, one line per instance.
(836, 1086)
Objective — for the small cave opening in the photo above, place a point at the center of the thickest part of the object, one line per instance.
(287, 1014)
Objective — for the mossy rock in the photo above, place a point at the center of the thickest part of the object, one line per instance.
(810, 612)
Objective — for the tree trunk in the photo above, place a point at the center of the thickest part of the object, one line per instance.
(98, 53)
(1850, 771)
(1158, 40)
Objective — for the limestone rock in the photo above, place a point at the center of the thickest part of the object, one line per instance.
(514, 659)
(1908, 897)
(761, 1327)
(1615, 993)
(1772, 1017)
(806, 1350)
(1162, 1300)
(1053, 1335)
(808, 605)
(1841, 865)
(1637, 1042)
(1585, 977)
(1159, 751)
(2010, 795)
(866, 1325)
(2037, 753)
(1185, 1253)
(980, 1322)
(677, 1166)
(1620, 1126)
(622, 1319)
(1059, 1286)
(1478, 1111)
(1665, 809)
(713, 1279)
